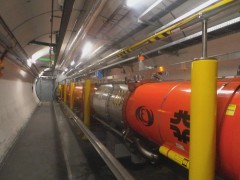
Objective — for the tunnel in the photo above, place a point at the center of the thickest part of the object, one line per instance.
(119, 89)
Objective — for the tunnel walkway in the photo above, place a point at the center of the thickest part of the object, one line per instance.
(37, 153)
(48, 149)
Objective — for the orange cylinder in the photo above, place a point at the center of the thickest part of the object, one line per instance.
(160, 112)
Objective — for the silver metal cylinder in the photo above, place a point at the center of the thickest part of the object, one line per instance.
(100, 101)
(108, 103)
(115, 104)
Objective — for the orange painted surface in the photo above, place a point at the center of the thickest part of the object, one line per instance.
(160, 112)
(78, 100)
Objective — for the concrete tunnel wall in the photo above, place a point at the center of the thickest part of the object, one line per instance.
(17, 103)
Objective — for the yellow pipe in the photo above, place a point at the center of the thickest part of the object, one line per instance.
(203, 120)
(86, 112)
(71, 95)
(176, 157)
(65, 93)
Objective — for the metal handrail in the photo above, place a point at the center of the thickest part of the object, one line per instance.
(117, 169)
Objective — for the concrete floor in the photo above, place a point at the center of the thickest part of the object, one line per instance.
(37, 153)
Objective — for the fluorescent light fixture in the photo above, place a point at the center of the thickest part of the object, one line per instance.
(87, 48)
(40, 53)
(47, 69)
(188, 14)
(149, 9)
(72, 63)
(78, 64)
(41, 73)
(33, 61)
(29, 62)
(132, 3)
(23, 73)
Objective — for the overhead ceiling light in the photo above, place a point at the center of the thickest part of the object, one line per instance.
(72, 63)
(29, 62)
(132, 3)
(46, 69)
(41, 73)
(33, 61)
(40, 53)
(87, 48)
(23, 73)
(78, 64)
(149, 9)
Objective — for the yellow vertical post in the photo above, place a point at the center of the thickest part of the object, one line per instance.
(59, 91)
(62, 92)
(71, 95)
(203, 119)
(65, 93)
(86, 113)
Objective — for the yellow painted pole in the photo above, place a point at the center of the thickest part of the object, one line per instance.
(62, 91)
(71, 95)
(65, 93)
(203, 120)
(59, 93)
(86, 112)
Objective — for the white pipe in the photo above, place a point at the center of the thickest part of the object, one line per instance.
(148, 9)
(83, 31)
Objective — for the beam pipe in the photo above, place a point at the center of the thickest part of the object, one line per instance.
(86, 112)
(203, 119)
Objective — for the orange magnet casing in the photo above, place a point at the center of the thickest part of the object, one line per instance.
(160, 112)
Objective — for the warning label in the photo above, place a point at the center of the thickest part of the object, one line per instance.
(231, 109)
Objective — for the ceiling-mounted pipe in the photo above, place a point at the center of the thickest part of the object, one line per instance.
(17, 45)
(193, 36)
(83, 30)
(182, 20)
(147, 11)
(51, 28)
(67, 47)
(67, 10)
(165, 30)
(105, 47)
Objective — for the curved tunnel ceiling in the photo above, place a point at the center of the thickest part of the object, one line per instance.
(109, 27)
(30, 21)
